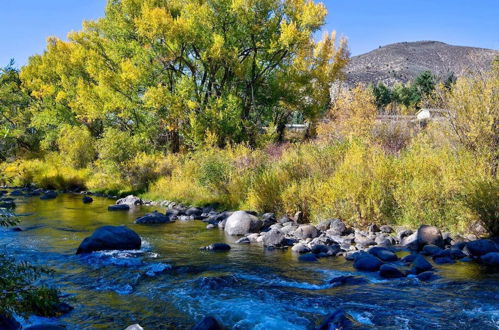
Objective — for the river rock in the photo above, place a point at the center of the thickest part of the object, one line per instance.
(308, 257)
(306, 231)
(348, 280)
(490, 259)
(481, 247)
(373, 229)
(274, 238)
(194, 212)
(217, 247)
(427, 235)
(48, 195)
(410, 242)
(120, 207)
(383, 254)
(216, 282)
(243, 240)
(129, 200)
(153, 218)
(17, 193)
(420, 265)
(366, 262)
(209, 323)
(426, 276)
(300, 248)
(110, 238)
(87, 199)
(241, 223)
(336, 228)
(339, 319)
(268, 219)
(390, 271)
(432, 250)
(443, 260)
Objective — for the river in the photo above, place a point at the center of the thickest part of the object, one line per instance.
(246, 288)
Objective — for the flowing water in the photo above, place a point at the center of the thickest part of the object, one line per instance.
(261, 289)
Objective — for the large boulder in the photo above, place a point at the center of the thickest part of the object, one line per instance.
(153, 218)
(129, 200)
(429, 235)
(110, 238)
(491, 259)
(306, 231)
(336, 228)
(241, 223)
(420, 264)
(208, 323)
(367, 262)
(410, 241)
(300, 248)
(481, 247)
(274, 238)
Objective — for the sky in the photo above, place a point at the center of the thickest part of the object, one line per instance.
(368, 24)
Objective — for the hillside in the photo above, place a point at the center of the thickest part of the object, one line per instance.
(402, 62)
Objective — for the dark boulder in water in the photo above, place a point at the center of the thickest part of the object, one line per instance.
(383, 253)
(348, 280)
(431, 250)
(209, 323)
(390, 271)
(339, 319)
(426, 276)
(367, 262)
(153, 218)
(7, 205)
(48, 195)
(420, 264)
(443, 260)
(118, 207)
(194, 212)
(87, 199)
(491, 259)
(216, 247)
(17, 193)
(481, 247)
(216, 282)
(46, 327)
(110, 238)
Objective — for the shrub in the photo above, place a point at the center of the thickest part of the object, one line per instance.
(482, 198)
(117, 146)
(76, 146)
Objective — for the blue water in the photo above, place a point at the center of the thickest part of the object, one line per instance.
(161, 286)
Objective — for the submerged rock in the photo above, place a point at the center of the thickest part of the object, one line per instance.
(153, 218)
(9, 323)
(241, 223)
(48, 195)
(46, 327)
(348, 280)
(216, 247)
(120, 207)
(209, 323)
(216, 282)
(308, 257)
(8, 205)
(110, 238)
(16, 193)
(339, 319)
(87, 199)
(426, 276)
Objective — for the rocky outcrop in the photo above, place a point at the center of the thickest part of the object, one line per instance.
(110, 238)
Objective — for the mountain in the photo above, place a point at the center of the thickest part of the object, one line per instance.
(402, 62)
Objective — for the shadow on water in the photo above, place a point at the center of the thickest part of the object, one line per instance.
(169, 282)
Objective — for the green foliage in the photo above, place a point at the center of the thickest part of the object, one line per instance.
(19, 293)
(116, 146)
(482, 198)
(76, 146)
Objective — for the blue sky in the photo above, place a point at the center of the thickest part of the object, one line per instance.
(25, 24)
